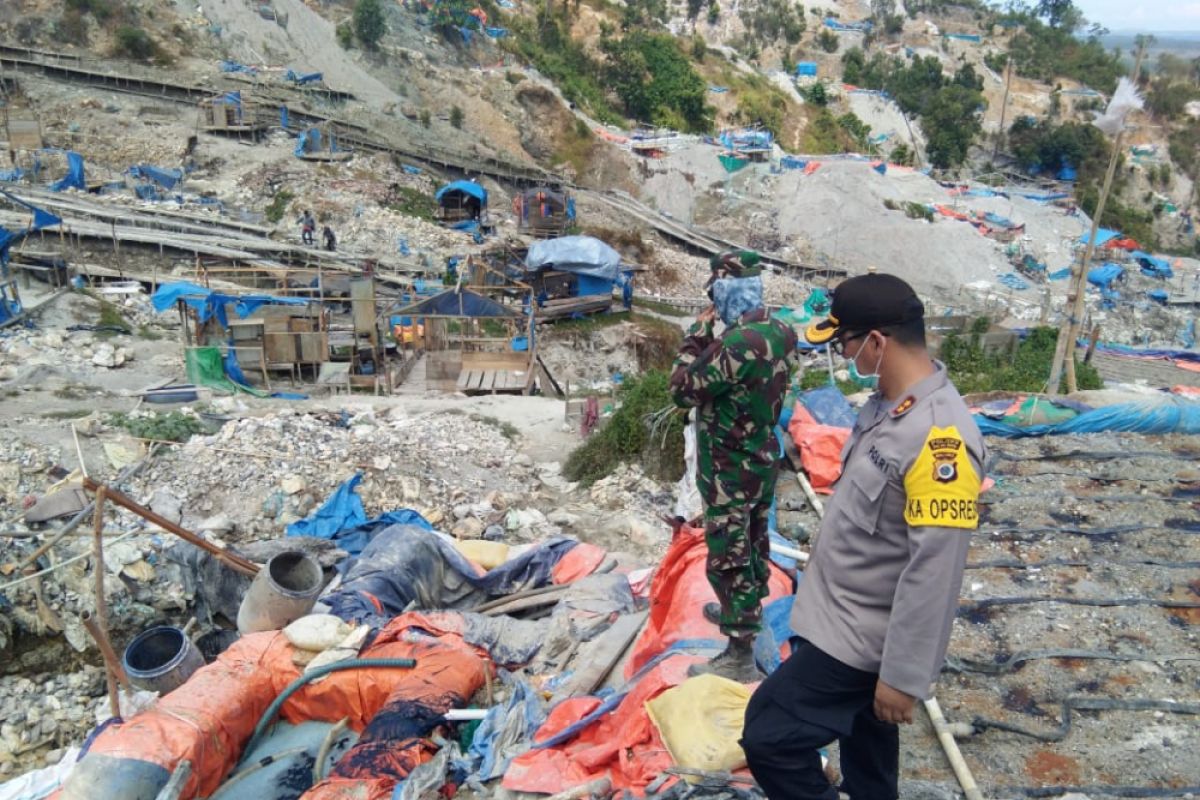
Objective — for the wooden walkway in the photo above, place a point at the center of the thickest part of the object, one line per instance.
(492, 381)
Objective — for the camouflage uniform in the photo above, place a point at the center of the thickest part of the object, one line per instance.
(737, 384)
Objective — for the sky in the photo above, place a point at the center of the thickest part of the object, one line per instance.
(1143, 15)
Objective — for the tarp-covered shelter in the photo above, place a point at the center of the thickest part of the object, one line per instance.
(10, 299)
(230, 112)
(1153, 266)
(542, 211)
(464, 350)
(806, 69)
(461, 201)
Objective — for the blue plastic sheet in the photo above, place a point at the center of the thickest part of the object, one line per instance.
(1060, 275)
(1105, 275)
(300, 79)
(74, 178)
(523, 705)
(1152, 416)
(1102, 235)
(828, 406)
(466, 187)
(583, 255)
(1158, 296)
(410, 564)
(807, 68)
(209, 304)
(1152, 266)
(233, 66)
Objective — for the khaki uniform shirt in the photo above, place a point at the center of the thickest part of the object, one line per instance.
(880, 591)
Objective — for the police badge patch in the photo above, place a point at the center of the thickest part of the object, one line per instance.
(941, 486)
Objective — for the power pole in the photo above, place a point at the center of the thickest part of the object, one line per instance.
(1068, 334)
(1003, 106)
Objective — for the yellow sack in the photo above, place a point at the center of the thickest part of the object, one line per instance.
(488, 555)
(700, 721)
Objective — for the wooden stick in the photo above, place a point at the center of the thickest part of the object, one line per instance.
(810, 495)
(231, 560)
(961, 771)
(499, 601)
(600, 786)
(547, 599)
(106, 650)
(173, 790)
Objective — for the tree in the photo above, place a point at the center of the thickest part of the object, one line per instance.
(951, 123)
(369, 22)
(828, 41)
(1061, 14)
(456, 117)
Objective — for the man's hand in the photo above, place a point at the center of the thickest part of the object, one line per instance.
(707, 315)
(893, 705)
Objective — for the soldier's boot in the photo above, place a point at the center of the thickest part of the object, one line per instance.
(712, 613)
(736, 663)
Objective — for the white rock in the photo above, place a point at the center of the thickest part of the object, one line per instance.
(293, 484)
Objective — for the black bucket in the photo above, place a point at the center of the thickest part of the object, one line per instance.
(215, 642)
(161, 659)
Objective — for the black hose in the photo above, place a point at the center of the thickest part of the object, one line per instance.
(1013, 662)
(1105, 602)
(1072, 704)
(1008, 563)
(1095, 455)
(1115, 791)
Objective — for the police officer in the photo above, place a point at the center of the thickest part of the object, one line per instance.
(874, 609)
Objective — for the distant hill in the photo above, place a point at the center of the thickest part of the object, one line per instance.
(1185, 44)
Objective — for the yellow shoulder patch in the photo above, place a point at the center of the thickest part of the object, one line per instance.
(942, 487)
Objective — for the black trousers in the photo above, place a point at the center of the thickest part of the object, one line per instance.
(811, 700)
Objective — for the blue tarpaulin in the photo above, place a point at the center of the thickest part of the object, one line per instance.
(828, 406)
(166, 178)
(965, 37)
(791, 162)
(407, 563)
(209, 304)
(1152, 416)
(1067, 173)
(11, 175)
(9, 305)
(74, 178)
(496, 33)
(806, 68)
(300, 79)
(1102, 235)
(343, 514)
(582, 255)
(458, 303)
(1105, 275)
(233, 66)
(1158, 296)
(881, 167)
(1013, 281)
(465, 187)
(1152, 266)
(283, 117)
(1060, 275)
(589, 285)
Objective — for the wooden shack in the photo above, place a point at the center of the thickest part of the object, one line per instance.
(232, 114)
(476, 344)
(21, 129)
(461, 201)
(544, 212)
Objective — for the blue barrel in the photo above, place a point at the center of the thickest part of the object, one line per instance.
(161, 659)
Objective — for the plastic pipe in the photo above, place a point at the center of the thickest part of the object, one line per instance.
(307, 677)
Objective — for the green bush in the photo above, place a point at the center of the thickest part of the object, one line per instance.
(514, 77)
(369, 22)
(412, 202)
(714, 12)
(828, 41)
(100, 9)
(771, 20)
(858, 130)
(456, 117)
(345, 35)
(279, 205)
(1045, 53)
(135, 43)
(626, 436)
(655, 80)
(71, 28)
(1026, 370)
(172, 427)
(815, 95)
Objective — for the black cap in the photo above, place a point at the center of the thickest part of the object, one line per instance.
(865, 303)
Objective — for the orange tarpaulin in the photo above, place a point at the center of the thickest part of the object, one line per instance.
(624, 744)
(820, 448)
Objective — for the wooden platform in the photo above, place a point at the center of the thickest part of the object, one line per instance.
(491, 381)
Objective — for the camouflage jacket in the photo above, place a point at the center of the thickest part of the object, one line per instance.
(737, 384)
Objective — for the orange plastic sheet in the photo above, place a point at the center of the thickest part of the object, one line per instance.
(820, 448)
(210, 718)
(624, 744)
(580, 561)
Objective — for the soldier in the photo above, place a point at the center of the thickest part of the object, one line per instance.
(873, 612)
(737, 383)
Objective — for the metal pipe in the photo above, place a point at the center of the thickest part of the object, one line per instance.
(231, 560)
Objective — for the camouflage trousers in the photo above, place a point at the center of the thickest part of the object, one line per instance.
(735, 531)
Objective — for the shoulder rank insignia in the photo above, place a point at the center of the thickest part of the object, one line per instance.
(904, 406)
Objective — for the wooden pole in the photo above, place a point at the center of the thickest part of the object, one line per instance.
(1064, 350)
(101, 620)
(961, 771)
(1003, 108)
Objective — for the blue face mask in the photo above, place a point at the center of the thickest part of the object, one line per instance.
(870, 380)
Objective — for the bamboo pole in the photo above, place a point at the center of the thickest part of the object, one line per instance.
(100, 628)
(1064, 350)
(961, 771)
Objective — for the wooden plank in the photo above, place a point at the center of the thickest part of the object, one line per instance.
(464, 380)
(602, 653)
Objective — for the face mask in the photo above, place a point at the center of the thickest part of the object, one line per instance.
(870, 380)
